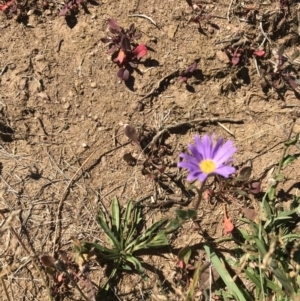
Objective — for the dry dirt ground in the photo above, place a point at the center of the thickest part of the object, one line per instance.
(62, 111)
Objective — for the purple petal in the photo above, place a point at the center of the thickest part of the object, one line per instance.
(225, 171)
(207, 147)
(202, 177)
(224, 153)
(195, 152)
(217, 147)
(190, 166)
(191, 177)
(199, 145)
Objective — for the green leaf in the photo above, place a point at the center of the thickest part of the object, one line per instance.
(253, 277)
(113, 240)
(115, 217)
(159, 240)
(136, 263)
(134, 224)
(279, 177)
(220, 267)
(289, 159)
(195, 281)
(282, 278)
(186, 214)
(146, 238)
(125, 228)
(293, 141)
(267, 207)
(173, 225)
(185, 254)
(271, 193)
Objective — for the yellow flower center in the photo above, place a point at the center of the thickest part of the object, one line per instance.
(207, 166)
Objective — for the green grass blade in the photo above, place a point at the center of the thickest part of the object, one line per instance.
(136, 263)
(115, 217)
(134, 224)
(225, 275)
(125, 229)
(113, 240)
(158, 240)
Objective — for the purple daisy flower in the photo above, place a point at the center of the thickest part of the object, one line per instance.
(208, 158)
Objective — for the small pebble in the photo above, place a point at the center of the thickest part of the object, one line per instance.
(93, 84)
(67, 105)
(84, 145)
(137, 106)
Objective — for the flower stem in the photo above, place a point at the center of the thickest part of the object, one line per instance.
(200, 192)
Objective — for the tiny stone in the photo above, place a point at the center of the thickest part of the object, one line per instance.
(137, 106)
(67, 105)
(12, 66)
(93, 85)
(84, 145)
(71, 94)
(48, 12)
(39, 57)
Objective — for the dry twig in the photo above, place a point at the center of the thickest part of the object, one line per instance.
(75, 178)
(191, 123)
(145, 17)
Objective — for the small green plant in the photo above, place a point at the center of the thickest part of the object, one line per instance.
(266, 254)
(125, 238)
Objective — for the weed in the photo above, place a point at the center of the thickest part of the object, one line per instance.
(186, 74)
(64, 270)
(125, 238)
(125, 52)
(9, 7)
(282, 73)
(71, 7)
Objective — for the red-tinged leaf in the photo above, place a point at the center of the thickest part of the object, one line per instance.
(183, 79)
(125, 43)
(79, 1)
(228, 225)
(5, 6)
(140, 51)
(105, 40)
(259, 53)
(121, 56)
(48, 261)
(123, 74)
(65, 9)
(189, 2)
(137, 36)
(180, 264)
(113, 49)
(113, 25)
(255, 187)
(60, 278)
(133, 65)
(235, 60)
(131, 133)
(131, 28)
(192, 68)
(292, 82)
